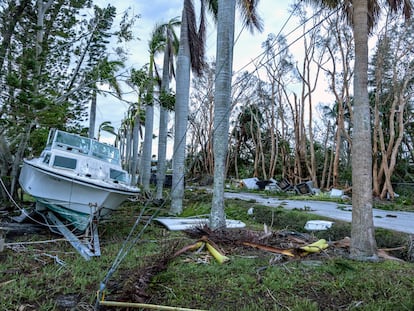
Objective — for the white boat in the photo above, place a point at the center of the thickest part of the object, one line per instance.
(78, 178)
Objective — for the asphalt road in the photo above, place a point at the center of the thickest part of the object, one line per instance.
(393, 220)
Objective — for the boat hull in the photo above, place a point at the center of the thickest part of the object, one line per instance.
(78, 199)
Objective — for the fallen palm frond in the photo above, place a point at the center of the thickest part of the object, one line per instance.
(343, 243)
(142, 306)
(272, 249)
(137, 281)
(279, 242)
(190, 247)
(382, 253)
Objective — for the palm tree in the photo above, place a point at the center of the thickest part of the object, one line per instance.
(156, 45)
(171, 47)
(124, 138)
(106, 126)
(222, 95)
(103, 72)
(190, 55)
(363, 15)
(140, 79)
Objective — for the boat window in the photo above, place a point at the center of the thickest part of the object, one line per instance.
(118, 175)
(64, 162)
(105, 152)
(73, 141)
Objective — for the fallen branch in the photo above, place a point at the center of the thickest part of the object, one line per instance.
(271, 249)
(187, 248)
(142, 305)
(383, 254)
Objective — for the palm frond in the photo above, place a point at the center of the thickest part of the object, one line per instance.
(250, 16)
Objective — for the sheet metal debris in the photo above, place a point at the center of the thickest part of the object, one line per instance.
(176, 223)
(254, 183)
(316, 225)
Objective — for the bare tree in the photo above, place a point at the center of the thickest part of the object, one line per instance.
(339, 72)
(201, 124)
(394, 73)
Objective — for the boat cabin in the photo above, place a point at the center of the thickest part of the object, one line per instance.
(86, 157)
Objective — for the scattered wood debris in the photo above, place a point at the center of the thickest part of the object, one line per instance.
(220, 244)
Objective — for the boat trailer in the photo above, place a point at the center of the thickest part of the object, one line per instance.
(87, 247)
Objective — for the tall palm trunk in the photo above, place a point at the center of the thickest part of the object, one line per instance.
(181, 118)
(222, 100)
(363, 245)
(145, 172)
(364, 17)
(170, 48)
(128, 146)
(135, 144)
(162, 152)
(147, 147)
(163, 128)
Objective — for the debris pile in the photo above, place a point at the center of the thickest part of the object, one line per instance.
(220, 245)
(284, 185)
(288, 243)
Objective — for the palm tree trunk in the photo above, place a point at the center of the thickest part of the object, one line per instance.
(162, 152)
(145, 172)
(128, 146)
(147, 147)
(163, 129)
(222, 100)
(363, 245)
(135, 144)
(181, 118)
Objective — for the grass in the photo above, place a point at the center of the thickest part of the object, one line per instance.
(52, 276)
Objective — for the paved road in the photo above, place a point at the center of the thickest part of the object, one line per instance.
(393, 220)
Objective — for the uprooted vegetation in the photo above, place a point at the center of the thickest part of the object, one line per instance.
(169, 268)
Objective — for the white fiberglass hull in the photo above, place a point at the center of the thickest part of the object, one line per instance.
(73, 196)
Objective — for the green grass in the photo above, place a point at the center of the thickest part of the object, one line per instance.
(251, 284)
(31, 278)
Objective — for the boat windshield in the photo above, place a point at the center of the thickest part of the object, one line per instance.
(105, 152)
(87, 146)
(78, 142)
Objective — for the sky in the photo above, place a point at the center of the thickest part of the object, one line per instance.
(275, 15)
